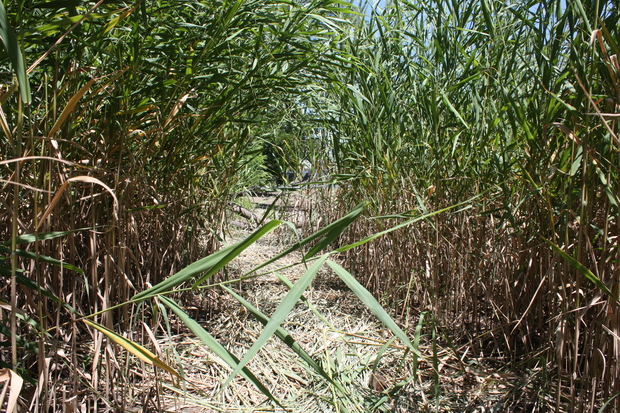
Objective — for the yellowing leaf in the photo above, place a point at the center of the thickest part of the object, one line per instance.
(132, 347)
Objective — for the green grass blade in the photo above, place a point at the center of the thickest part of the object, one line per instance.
(316, 312)
(216, 347)
(328, 234)
(416, 341)
(8, 37)
(210, 264)
(28, 238)
(487, 17)
(579, 5)
(608, 402)
(401, 225)
(334, 230)
(239, 248)
(185, 274)
(49, 260)
(279, 315)
(456, 113)
(372, 304)
(283, 335)
(28, 283)
(582, 269)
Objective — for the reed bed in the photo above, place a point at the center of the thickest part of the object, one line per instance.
(464, 161)
(503, 114)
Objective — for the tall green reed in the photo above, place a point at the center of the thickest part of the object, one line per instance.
(502, 105)
(157, 104)
(505, 109)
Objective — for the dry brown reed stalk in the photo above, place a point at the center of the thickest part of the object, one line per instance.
(116, 111)
(485, 282)
(122, 241)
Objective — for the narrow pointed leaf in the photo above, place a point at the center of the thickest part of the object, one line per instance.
(70, 107)
(49, 260)
(210, 264)
(282, 334)
(28, 238)
(8, 37)
(372, 304)
(240, 247)
(216, 347)
(134, 348)
(279, 315)
(401, 225)
(328, 234)
(582, 269)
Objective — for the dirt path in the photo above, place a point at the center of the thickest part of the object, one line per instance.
(367, 366)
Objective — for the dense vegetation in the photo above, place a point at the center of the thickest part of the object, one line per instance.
(128, 128)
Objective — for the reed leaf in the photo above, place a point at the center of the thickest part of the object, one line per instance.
(582, 270)
(13, 383)
(44, 236)
(70, 107)
(283, 335)
(284, 308)
(325, 236)
(208, 265)
(9, 39)
(63, 188)
(217, 348)
(132, 347)
(373, 305)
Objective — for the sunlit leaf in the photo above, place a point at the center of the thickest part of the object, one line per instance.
(134, 348)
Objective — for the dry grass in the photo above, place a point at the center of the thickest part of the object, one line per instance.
(347, 342)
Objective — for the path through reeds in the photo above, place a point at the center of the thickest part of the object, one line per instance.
(342, 335)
